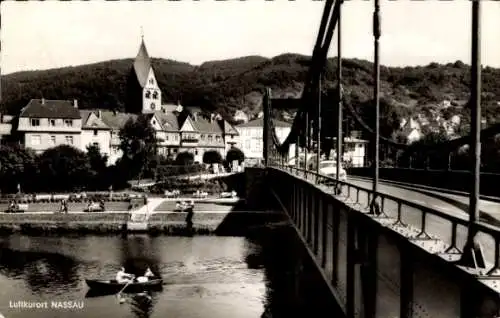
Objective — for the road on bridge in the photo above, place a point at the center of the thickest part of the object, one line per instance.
(435, 226)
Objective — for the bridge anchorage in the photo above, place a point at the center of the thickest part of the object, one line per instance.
(381, 254)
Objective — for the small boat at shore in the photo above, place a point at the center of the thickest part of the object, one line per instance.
(112, 286)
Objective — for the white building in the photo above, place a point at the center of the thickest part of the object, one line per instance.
(251, 134)
(355, 151)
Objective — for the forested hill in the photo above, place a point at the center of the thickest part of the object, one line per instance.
(228, 85)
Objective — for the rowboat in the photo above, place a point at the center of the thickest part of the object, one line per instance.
(112, 286)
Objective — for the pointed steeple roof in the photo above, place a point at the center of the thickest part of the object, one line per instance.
(142, 64)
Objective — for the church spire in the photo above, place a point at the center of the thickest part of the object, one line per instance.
(142, 63)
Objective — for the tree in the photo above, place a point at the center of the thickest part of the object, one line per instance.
(17, 167)
(98, 166)
(235, 154)
(138, 144)
(184, 158)
(212, 157)
(63, 168)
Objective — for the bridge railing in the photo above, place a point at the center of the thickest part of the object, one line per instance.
(419, 221)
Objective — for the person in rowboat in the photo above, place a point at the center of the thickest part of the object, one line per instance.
(147, 275)
(123, 278)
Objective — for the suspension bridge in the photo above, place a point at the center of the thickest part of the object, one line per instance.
(389, 242)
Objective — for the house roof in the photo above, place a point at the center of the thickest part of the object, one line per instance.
(168, 121)
(204, 125)
(259, 122)
(91, 120)
(63, 109)
(229, 129)
(142, 64)
(116, 120)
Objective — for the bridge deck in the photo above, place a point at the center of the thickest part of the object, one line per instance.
(436, 226)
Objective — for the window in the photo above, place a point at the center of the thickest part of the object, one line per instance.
(155, 95)
(232, 136)
(196, 152)
(35, 122)
(175, 150)
(153, 106)
(151, 81)
(148, 94)
(69, 140)
(96, 132)
(95, 144)
(176, 137)
(68, 122)
(247, 144)
(36, 140)
(166, 137)
(217, 138)
(202, 137)
(52, 122)
(210, 138)
(53, 140)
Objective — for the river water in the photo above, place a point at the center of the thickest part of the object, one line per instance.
(206, 276)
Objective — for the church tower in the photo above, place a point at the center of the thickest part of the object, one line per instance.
(144, 94)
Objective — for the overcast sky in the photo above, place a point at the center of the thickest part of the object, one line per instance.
(42, 35)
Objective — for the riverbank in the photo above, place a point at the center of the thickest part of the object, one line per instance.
(167, 223)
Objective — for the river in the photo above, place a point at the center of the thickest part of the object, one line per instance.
(205, 276)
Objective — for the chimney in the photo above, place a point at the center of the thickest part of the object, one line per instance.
(43, 101)
(75, 103)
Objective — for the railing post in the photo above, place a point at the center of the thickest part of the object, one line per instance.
(338, 189)
(473, 255)
(306, 141)
(376, 35)
(297, 154)
(266, 128)
(318, 127)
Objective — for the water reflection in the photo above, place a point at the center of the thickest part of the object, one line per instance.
(43, 272)
(138, 252)
(210, 277)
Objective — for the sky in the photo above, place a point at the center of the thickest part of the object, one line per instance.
(42, 35)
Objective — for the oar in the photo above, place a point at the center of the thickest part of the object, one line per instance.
(122, 300)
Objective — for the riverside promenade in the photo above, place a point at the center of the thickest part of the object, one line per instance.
(211, 216)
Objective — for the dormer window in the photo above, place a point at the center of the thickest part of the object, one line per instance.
(35, 122)
(148, 94)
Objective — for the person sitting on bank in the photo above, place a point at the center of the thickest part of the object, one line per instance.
(122, 277)
(147, 275)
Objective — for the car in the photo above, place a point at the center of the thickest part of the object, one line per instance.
(329, 168)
